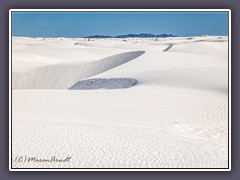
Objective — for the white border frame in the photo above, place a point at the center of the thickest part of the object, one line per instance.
(120, 10)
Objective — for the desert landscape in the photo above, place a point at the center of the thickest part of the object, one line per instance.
(120, 102)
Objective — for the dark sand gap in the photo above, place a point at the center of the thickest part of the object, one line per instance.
(104, 83)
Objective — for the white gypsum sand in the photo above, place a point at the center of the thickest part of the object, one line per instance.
(176, 116)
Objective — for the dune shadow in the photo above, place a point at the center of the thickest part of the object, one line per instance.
(169, 47)
(104, 83)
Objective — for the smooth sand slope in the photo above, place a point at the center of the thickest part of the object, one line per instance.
(176, 116)
(65, 75)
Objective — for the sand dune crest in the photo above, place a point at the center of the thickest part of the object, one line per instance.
(64, 75)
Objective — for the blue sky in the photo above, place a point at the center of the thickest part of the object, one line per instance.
(79, 24)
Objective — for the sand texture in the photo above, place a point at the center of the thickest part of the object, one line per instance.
(120, 103)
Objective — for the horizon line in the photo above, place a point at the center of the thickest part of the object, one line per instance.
(115, 36)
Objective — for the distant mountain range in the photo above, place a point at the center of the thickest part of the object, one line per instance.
(142, 35)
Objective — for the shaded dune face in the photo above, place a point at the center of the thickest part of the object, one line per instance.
(103, 83)
(65, 75)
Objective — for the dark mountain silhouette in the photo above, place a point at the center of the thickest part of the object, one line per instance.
(142, 35)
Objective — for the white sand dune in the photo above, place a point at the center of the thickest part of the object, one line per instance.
(64, 75)
(201, 47)
(176, 116)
